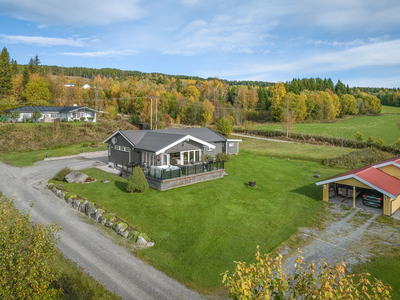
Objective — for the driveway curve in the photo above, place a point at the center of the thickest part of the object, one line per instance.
(119, 270)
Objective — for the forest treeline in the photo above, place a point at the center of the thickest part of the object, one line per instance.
(178, 99)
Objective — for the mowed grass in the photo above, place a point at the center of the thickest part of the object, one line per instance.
(200, 230)
(301, 151)
(22, 159)
(380, 127)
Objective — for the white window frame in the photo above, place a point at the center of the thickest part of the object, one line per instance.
(209, 149)
(121, 148)
(230, 145)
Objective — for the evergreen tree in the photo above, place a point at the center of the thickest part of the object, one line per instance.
(5, 73)
(25, 76)
(137, 182)
(340, 88)
(14, 68)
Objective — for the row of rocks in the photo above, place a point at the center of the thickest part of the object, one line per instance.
(90, 210)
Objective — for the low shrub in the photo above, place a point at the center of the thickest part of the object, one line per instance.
(82, 119)
(357, 159)
(397, 143)
(205, 157)
(222, 157)
(358, 136)
(60, 176)
(380, 143)
(86, 145)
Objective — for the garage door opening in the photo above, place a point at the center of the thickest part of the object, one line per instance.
(343, 194)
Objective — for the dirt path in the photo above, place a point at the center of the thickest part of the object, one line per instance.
(261, 138)
(352, 236)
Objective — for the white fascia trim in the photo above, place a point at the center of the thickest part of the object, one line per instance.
(387, 164)
(334, 179)
(359, 179)
(84, 107)
(233, 140)
(188, 137)
(124, 136)
(111, 136)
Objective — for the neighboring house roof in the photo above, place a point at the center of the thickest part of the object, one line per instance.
(69, 84)
(373, 177)
(160, 140)
(48, 109)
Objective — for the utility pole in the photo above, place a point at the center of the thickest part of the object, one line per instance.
(287, 115)
(151, 113)
(96, 93)
(341, 149)
(156, 111)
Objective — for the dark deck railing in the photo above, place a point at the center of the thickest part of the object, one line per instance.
(178, 171)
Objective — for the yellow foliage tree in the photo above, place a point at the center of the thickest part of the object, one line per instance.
(266, 279)
(207, 110)
(278, 101)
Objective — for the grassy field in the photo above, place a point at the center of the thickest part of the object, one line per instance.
(380, 127)
(22, 159)
(200, 230)
(288, 150)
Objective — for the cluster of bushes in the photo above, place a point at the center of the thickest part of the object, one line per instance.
(357, 159)
(60, 176)
(21, 138)
(334, 141)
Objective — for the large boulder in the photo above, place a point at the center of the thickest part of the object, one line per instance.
(141, 241)
(98, 215)
(76, 177)
(82, 207)
(124, 233)
(69, 200)
(76, 204)
(90, 210)
(102, 221)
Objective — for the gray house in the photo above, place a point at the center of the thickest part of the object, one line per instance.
(168, 154)
(53, 113)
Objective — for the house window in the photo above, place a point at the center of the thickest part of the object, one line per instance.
(231, 144)
(121, 148)
(209, 149)
(55, 116)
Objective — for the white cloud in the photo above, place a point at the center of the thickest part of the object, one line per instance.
(43, 41)
(179, 52)
(108, 53)
(191, 2)
(383, 54)
(73, 12)
(388, 82)
(356, 42)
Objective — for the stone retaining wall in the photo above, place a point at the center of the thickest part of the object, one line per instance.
(92, 212)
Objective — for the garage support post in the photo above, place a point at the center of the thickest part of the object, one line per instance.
(354, 197)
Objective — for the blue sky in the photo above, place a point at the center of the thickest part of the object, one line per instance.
(357, 41)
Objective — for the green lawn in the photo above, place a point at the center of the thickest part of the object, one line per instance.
(380, 127)
(22, 159)
(199, 230)
(301, 151)
(390, 109)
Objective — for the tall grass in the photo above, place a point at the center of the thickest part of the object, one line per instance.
(20, 138)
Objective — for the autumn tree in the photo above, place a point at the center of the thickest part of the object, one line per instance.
(224, 126)
(207, 110)
(278, 101)
(37, 92)
(26, 251)
(5, 73)
(266, 279)
(349, 105)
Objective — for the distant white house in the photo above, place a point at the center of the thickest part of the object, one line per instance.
(69, 85)
(86, 86)
(54, 113)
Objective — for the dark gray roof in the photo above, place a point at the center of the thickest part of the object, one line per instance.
(204, 133)
(30, 109)
(155, 140)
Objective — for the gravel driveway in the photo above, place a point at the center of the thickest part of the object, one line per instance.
(82, 240)
(352, 236)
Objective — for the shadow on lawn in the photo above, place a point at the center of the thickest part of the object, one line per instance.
(310, 190)
(121, 186)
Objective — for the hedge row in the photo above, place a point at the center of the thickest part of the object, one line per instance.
(311, 138)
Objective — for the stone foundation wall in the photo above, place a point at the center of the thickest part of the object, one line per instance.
(163, 185)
